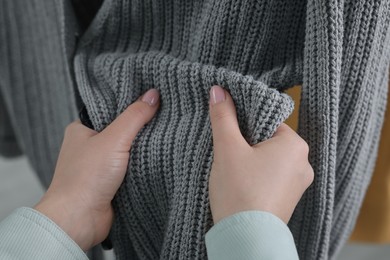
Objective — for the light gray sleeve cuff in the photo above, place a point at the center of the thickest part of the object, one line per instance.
(251, 235)
(28, 234)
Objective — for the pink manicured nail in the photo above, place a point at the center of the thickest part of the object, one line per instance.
(217, 95)
(151, 97)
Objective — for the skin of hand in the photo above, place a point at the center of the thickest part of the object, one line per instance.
(269, 176)
(90, 168)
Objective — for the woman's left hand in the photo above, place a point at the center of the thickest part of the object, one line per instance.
(90, 168)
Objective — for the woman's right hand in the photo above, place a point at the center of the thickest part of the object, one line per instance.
(269, 176)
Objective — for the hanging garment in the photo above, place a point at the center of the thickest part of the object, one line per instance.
(37, 41)
(337, 50)
(373, 224)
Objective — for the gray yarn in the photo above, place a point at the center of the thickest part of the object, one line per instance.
(338, 50)
(9, 144)
(37, 41)
(36, 46)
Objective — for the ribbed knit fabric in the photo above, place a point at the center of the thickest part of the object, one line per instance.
(35, 76)
(338, 51)
(37, 41)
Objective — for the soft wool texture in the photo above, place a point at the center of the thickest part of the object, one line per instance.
(338, 50)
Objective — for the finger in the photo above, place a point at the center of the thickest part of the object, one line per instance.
(223, 118)
(126, 126)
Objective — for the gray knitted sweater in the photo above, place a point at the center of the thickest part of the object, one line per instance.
(338, 50)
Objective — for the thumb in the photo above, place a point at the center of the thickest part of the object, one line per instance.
(223, 118)
(122, 131)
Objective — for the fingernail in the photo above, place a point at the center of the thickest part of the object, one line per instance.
(151, 97)
(217, 95)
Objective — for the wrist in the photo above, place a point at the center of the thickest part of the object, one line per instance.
(74, 222)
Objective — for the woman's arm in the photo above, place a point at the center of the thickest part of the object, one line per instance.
(76, 213)
(253, 189)
(264, 181)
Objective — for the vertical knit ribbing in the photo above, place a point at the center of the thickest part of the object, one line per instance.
(359, 131)
(363, 115)
(318, 125)
(173, 153)
(37, 43)
(221, 40)
(35, 77)
(338, 49)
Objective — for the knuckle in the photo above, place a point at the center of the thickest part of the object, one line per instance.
(300, 145)
(304, 146)
(309, 175)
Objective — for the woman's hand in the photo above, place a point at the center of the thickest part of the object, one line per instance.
(269, 176)
(90, 168)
